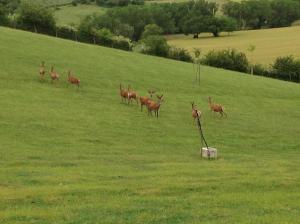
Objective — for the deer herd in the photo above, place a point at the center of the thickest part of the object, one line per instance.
(128, 95)
(55, 76)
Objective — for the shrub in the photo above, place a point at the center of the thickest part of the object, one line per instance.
(286, 68)
(228, 59)
(259, 69)
(155, 45)
(121, 43)
(66, 32)
(179, 54)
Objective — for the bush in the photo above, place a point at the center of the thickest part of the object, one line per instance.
(179, 54)
(121, 43)
(259, 69)
(228, 59)
(37, 18)
(286, 68)
(66, 32)
(155, 45)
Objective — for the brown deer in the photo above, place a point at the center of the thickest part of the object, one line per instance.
(144, 100)
(73, 80)
(42, 71)
(131, 95)
(123, 93)
(154, 106)
(218, 108)
(54, 75)
(195, 113)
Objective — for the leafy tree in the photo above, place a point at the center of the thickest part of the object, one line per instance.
(36, 18)
(151, 29)
(230, 24)
(155, 45)
(284, 12)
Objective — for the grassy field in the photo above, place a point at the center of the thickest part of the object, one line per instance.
(51, 2)
(83, 157)
(270, 43)
(70, 14)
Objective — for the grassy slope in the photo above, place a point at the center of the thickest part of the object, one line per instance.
(52, 2)
(70, 14)
(270, 43)
(71, 156)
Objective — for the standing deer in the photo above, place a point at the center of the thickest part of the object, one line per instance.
(154, 106)
(73, 80)
(144, 100)
(195, 113)
(123, 93)
(218, 108)
(131, 95)
(42, 71)
(54, 75)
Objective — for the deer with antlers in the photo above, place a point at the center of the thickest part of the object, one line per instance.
(155, 106)
(144, 100)
(42, 71)
(195, 112)
(73, 80)
(131, 95)
(123, 93)
(54, 75)
(218, 108)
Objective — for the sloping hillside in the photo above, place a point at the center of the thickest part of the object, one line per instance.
(82, 156)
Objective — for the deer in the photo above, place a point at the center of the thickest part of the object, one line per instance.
(54, 75)
(123, 93)
(73, 80)
(42, 70)
(131, 95)
(195, 113)
(144, 100)
(154, 106)
(218, 108)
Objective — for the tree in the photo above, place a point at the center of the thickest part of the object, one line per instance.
(230, 24)
(151, 29)
(36, 18)
(284, 12)
(251, 49)
(155, 45)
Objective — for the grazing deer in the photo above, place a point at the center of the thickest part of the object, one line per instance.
(42, 71)
(218, 108)
(123, 93)
(54, 75)
(195, 113)
(144, 100)
(131, 95)
(73, 80)
(154, 106)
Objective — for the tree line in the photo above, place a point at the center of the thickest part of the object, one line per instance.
(257, 14)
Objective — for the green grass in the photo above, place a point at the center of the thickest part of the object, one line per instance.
(82, 156)
(51, 2)
(67, 15)
(270, 43)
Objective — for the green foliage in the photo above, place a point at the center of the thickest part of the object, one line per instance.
(256, 14)
(229, 59)
(179, 54)
(155, 45)
(35, 17)
(112, 3)
(151, 29)
(284, 12)
(287, 68)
